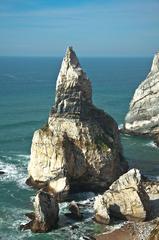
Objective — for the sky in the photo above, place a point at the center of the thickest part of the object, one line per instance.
(104, 28)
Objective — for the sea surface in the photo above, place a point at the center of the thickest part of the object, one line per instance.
(27, 89)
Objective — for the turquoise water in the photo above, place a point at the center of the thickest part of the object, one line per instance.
(26, 96)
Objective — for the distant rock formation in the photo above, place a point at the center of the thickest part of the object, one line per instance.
(80, 147)
(125, 199)
(143, 115)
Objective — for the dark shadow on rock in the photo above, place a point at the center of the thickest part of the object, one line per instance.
(115, 213)
(154, 204)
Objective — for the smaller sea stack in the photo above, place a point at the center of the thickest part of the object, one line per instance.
(143, 115)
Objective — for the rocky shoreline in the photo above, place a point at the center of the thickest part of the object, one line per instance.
(79, 150)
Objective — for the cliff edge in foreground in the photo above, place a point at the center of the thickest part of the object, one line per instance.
(80, 147)
(143, 115)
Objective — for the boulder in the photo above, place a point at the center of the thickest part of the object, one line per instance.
(45, 217)
(79, 148)
(75, 211)
(143, 115)
(125, 198)
(101, 212)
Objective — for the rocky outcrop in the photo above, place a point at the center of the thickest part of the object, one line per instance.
(125, 199)
(143, 115)
(154, 235)
(45, 217)
(130, 231)
(101, 211)
(80, 145)
(75, 211)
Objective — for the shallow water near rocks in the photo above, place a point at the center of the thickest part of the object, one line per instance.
(26, 97)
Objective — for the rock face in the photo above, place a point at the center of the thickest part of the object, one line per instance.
(143, 115)
(80, 145)
(46, 212)
(101, 211)
(125, 198)
(45, 217)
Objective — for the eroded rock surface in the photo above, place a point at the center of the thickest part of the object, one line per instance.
(80, 145)
(126, 198)
(45, 217)
(143, 115)
(101, 211)
(131, 231)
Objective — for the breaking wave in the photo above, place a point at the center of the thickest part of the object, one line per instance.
(14, 172)
(151, 144)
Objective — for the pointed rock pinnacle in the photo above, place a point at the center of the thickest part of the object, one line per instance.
(73, 88)
(155, 64)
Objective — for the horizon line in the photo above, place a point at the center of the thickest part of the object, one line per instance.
(50, 56)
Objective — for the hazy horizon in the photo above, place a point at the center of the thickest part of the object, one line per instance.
(53, 56)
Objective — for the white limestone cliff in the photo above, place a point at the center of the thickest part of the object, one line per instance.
(80, 146)
(143, 115)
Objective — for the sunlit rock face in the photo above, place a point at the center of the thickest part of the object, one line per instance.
(125, 199)
(143, 115)
(80, 147)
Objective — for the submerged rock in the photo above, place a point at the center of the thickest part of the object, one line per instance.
(143, 115)
(125, 199)
(80, 147)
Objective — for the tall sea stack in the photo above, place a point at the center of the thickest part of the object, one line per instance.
(79, 148)
(143, 115)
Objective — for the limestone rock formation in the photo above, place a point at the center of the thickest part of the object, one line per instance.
(129, 231)
(101, 211)
(143, 115)
(125, 198)
(80, 145)
(45, 217)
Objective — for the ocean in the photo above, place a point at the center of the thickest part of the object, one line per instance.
(27, 89)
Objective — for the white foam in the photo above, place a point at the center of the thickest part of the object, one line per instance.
(23, 156)
(151, 144)
(10, 76)
(153, 178)
(120, 126)
(13, 173)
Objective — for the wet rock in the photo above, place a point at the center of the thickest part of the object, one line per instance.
(75, 210)
(74, 226)
(80, 146)
(45, 217)
(30, 215)
(2, 172)
(126, 198)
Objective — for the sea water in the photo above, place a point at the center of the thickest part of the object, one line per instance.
(27, 90)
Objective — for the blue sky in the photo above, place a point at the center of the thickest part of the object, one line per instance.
(92, 27)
